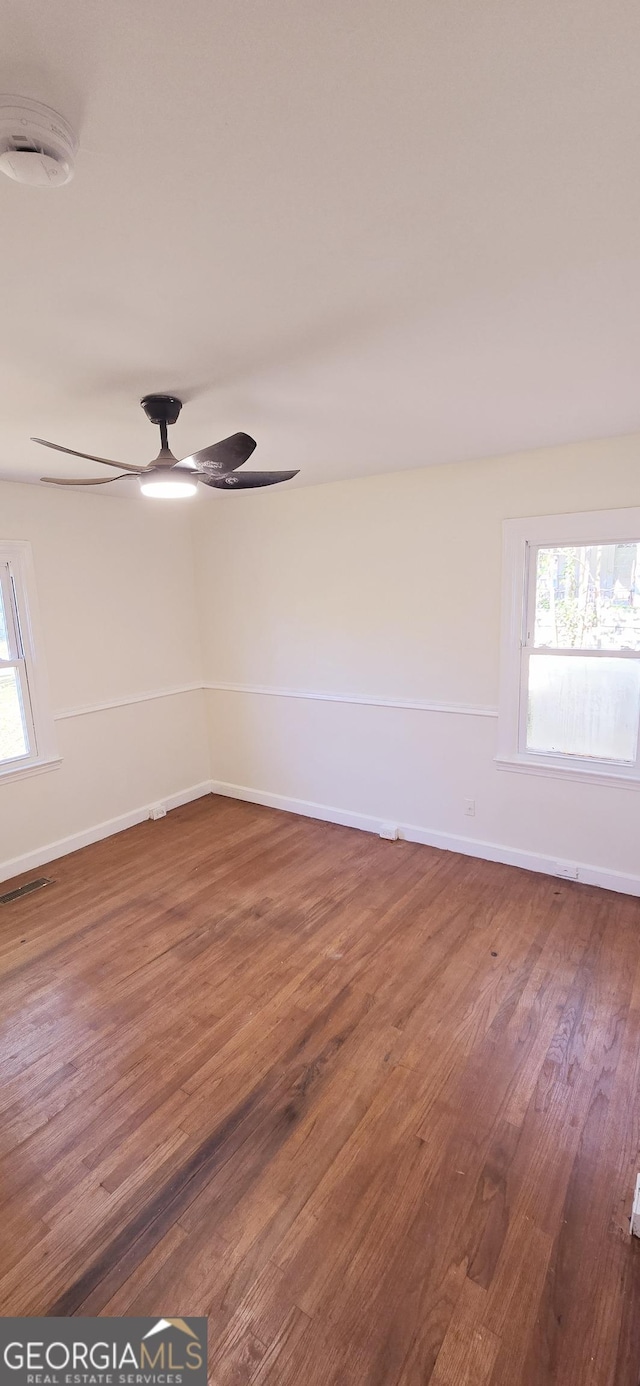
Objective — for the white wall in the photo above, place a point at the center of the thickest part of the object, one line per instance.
(115, 587)
(337, 590)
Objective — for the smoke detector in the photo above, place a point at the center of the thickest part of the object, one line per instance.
(37, 145)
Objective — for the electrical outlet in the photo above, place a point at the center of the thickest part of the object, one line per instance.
(470, 807)
(566, 871)
(158, 811)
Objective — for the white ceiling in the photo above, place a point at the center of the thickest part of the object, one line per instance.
(375, 234)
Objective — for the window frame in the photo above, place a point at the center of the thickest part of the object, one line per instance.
(17, 578)
(522, 539)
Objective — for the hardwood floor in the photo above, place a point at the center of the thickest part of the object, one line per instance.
(371, 1107)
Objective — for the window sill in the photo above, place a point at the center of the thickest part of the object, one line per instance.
(36, 767)
(578, 773)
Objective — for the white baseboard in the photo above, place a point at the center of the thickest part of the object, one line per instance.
(51, 850)
(429, 837)
(583, 872)
(635, 1210)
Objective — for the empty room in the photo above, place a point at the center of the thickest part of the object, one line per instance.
(319, 808)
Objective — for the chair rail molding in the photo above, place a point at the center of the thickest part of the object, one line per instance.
(86, 709)
(268, 691)
(363, 699)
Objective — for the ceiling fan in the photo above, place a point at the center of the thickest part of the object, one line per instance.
(167, 477)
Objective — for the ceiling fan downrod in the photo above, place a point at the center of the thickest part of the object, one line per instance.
(162, 410)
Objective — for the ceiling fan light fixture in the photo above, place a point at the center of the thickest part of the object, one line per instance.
(167, 488)
(167, 478)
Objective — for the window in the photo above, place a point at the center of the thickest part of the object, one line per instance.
(570, 686)
(26, 728)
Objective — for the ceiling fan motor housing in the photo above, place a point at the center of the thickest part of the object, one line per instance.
(37, 146)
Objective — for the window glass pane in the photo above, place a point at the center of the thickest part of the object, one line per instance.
(588, 598)
(583, 707)
(4, 634)
(13, 731)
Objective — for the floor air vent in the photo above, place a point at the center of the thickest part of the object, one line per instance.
(25, 890)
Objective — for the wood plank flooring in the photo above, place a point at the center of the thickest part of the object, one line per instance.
(371, 1107)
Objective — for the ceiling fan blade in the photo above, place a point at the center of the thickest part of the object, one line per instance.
(246, 480)
(222, 457)
(90, 456)
(91, 481)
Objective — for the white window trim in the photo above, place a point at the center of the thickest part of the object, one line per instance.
(44, 754)
(582, 528)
